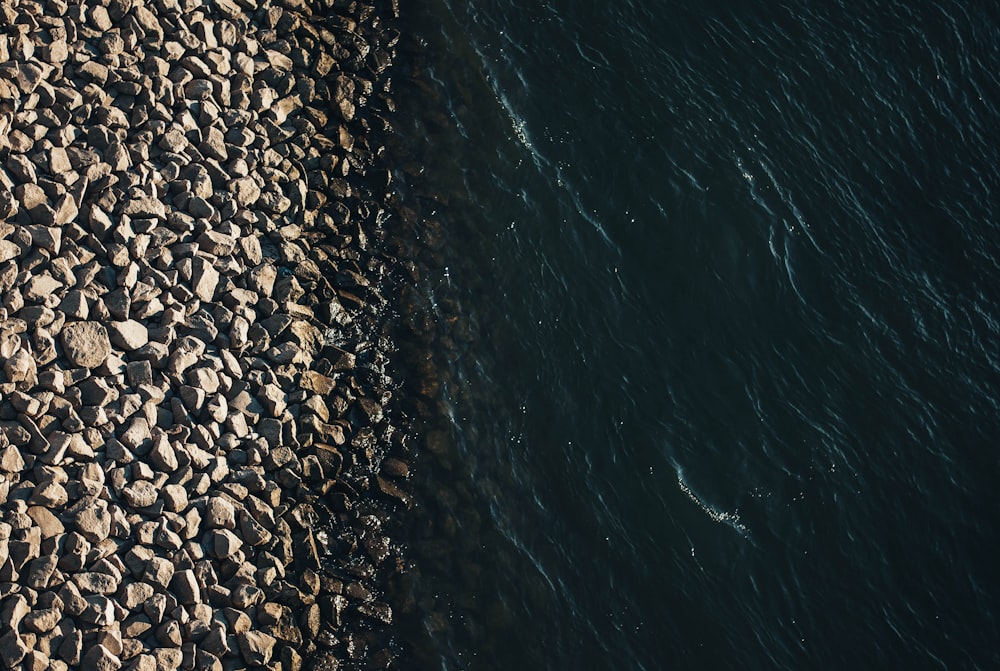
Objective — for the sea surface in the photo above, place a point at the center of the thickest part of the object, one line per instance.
(712, 297)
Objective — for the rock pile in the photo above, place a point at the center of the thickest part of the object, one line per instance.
(198, 451)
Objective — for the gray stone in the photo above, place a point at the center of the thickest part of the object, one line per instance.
(224, 543)
(40, 287)
(256, 646)
(129, 335)
(144, 206)
(204, 279)
(94, 522)
(86, 344)
(12, 649)
(99, 658)
(159, 572)
(245, 191)
(141, 494)
(219, 513)
(185, 587)
(42, 621)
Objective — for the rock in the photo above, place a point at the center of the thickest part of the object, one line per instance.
(219, 513)
(21, 367)
(47, 237)
(135, 594)
(42, 621)
(71, 648)
(99, 658)
(12, 649)
(169, 634)
(100, 611)
(204, 279)
(144, 206)
(15, 608)
(175, 498)
(245, 191)
(159, 572)
(86, 344)
(129, 335)
(137, 436)
(256, 647)
(11, 460)
(49, 494)
(45, 520)
(262, 278)
(252, 531)
(199, 89)
(30, 196)
(214, 145)
(224, 543)
(93, 582)
(8, 249)
(94, 522)
(168, 659)
(185, 586)
(163, 455)
(330, 459)
(141, 494)
(39, 287)
(216, 243)
(317, 383)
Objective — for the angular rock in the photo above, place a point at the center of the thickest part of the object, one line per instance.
(185, 587)
(12, 649)
(159, 572)
(99, 658)
(219, 513)
(129, 335)
(204, 279)
(256, 647)
(141, 494)
(144, 206)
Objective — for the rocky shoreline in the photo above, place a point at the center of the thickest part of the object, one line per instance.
(201, 459)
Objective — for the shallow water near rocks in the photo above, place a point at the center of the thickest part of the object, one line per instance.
(713, 303)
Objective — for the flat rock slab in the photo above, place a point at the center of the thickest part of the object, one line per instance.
(86, 344)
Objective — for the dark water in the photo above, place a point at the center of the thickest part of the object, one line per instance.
(723, 388)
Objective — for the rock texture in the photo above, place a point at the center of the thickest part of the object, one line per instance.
(199, 456)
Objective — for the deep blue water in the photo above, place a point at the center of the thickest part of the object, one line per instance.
(717, 329)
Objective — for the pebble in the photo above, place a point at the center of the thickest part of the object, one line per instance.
(178, 427)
